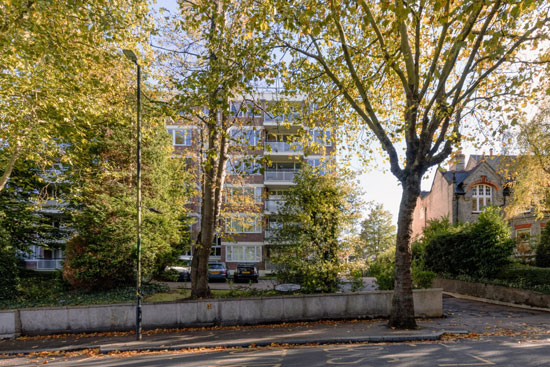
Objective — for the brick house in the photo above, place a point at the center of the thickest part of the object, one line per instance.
(461, 192)
(257, 173)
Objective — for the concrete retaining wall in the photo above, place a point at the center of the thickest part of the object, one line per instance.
(238, 311)
(494, 292)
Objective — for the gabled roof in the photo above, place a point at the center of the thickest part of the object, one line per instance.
(459, 177)
(496, 162)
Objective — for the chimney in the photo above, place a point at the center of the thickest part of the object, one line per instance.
(491, 152)
(457, 162)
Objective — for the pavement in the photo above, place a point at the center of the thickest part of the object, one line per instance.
(462, 316)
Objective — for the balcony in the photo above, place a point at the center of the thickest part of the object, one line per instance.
(282, 147)
(272, 119)
(280, 176)
(273, 206)
(44, 264)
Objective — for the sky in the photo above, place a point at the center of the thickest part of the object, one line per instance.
(378, 184)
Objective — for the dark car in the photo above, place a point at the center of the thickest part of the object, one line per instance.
(217, 271)
(246, 273)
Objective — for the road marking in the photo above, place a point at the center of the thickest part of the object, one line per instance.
(485, 363)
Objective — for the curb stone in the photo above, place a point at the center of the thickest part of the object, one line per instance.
(358, 339)
(106, 349)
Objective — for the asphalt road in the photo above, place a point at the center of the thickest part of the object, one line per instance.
(523, 351)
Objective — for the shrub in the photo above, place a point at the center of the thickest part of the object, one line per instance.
(422, 279)
(491, 244)
(542, 253)
(478, 250)
(530, 275)
(170, 275)
(8, 272)
(98, 264)
(383, 269)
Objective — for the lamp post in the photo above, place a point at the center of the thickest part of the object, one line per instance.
(132, 57)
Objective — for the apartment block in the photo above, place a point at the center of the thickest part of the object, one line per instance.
(267, 149)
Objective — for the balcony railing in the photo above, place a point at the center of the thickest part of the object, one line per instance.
(50, 264)
(292, 116)
(273, 205)
(282, 147)
(280, 175)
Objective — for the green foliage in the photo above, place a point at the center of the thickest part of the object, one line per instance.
(8, 267)
(103, 253)
(62, 67)
(377, 233)
(48, 289)
(514, 276)
(383, 269)
(422, 279)
(531, 185)
(478, 249)
(307, 248)
(529, 275)
(542, 254)
(170, 275)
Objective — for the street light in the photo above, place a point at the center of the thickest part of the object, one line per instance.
(132, 57)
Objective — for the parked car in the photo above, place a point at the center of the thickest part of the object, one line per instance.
(217, 271)
(246, 272)
(183, 269)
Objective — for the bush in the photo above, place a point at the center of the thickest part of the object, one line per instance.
(8, 272)
(542, 253)
(170, 275)
(383, 269)
(479, 249)
(422, 279)
(530, 275)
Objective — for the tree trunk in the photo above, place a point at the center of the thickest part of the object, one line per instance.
(402, 313)
(9, 168)
(199, 264)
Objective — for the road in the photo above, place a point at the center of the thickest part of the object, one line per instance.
(523, 351)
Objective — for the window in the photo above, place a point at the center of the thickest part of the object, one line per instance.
(482, 196)
(244, 253)
(523, 236)
(243, 167)
(322, 137)
(243, 223)
(243, 195)
(244, 109)
(180, 137)
(246, 137)
(320, 165)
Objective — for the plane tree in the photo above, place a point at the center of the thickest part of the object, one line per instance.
(210, 54)
(408, 76)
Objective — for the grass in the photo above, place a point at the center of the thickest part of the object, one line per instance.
(47, 289)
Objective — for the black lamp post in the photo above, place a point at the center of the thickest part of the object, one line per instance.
(132, 57)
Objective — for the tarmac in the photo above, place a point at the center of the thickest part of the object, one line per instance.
(461, 316)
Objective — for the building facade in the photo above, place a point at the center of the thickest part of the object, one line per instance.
(268, 149)
(461, 192)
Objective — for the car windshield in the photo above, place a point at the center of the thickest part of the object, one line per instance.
(215, 266)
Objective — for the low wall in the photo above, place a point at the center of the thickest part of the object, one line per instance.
(494, 292)
(237, 311)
